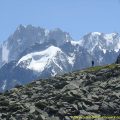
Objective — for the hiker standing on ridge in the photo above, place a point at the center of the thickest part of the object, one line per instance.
(92, 63)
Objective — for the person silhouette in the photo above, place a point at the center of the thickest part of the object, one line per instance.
(92, 63)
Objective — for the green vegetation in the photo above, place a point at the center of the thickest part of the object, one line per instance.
(98, 68)
(29, 85)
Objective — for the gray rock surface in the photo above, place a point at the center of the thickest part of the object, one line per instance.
(94, 91)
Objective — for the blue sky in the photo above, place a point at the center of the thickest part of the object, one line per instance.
(77, 17)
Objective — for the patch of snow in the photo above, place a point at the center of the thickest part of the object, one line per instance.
(4, 84)
(104, 51)
(67, 38)
(109, 36)
(118, 47)
(71, 59)
(40, 59)
(92, 48)
(116, 50)
(5, 53)
(58, 65)
(80, 42)
(75, 43)
(96, 33)
(53, 72)
(46, 32)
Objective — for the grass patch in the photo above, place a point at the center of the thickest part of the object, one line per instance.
(98, 68)
(29, 85)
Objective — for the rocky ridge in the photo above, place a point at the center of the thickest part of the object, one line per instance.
(93, 91)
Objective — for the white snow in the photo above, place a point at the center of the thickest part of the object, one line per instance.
(5, 53)
(117, 47)
(4, 85)
(57, 65)
(71, 59)
(67, 39)
(109, 36)
(40, 59)
(96, 33)
(53, 72)
(104, 50)
(107, 42)
(75, 42)
(46, 32)
(92, 48)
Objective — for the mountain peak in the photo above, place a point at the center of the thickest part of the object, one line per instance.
(20, 27)
(96, 40)
(95, 33)
(37, 61)
(57, 29)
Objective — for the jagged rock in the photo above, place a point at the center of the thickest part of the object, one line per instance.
(94, 108)
(41, 105)
(60, 97)
(32, 109)
(4, 103)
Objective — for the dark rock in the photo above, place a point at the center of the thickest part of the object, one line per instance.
(41, 105)
(64, 96)
(4, 103)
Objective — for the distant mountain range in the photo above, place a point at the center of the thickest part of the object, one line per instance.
(33, 52)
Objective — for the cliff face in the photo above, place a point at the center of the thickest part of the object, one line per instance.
(93, 91)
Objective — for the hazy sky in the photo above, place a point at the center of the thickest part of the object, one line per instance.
(77, 17)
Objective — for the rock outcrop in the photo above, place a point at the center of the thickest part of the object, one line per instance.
(93, 91)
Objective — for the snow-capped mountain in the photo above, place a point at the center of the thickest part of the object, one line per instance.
(104, 47)
(104, 42)
(50, 57)
(32, 52)
(25, 37)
